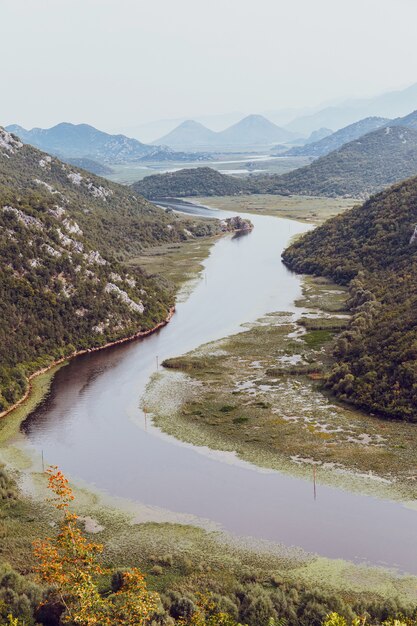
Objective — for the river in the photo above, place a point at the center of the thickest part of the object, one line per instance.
(91, 425)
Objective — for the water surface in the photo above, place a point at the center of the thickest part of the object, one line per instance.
(90, 425)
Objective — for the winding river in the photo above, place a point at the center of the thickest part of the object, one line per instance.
(92, 427)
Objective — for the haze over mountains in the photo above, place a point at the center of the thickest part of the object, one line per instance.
(253, 130)
(357, 169)
(392, 104)
(302, 121)
(335, 140)
(82, 141)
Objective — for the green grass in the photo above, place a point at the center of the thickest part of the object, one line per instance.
(177, 263)
(300, 208)
(316, 339)
(263, 398)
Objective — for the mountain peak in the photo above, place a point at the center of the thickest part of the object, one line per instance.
(192, 124)
(254, 129)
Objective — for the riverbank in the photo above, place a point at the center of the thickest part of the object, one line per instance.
(186, 560)
(53, 367)
(309, 210)
(180, 264)
(260, 394)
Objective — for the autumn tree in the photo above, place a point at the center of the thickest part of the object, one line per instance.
(71, 567)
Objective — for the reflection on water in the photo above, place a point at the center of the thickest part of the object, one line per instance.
(90, 423)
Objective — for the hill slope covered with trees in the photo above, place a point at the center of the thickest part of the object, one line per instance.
(198, 181)
(358, 169)
(64, 237)
(372, 248)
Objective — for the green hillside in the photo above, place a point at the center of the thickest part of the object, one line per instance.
(198, 181)
(371, 247)
(358, 169)
(64, 237)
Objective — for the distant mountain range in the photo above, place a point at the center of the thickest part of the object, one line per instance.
(301, 121)
(391, 105)
(357, 169)
(189, 135)
(251, 131)
(336, 140)
(82, 141)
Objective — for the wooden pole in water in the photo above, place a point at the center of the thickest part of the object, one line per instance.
(157, 364)
(43, 464)
(314, 481)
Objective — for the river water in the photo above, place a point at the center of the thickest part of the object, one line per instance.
(92, 427)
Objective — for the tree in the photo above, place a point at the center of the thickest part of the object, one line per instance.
(70, 565)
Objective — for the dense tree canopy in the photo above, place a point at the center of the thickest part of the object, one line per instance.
(370, 248)
(65, 236)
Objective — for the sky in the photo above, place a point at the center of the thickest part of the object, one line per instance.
(119, 63)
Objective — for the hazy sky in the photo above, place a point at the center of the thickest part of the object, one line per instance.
(115, 63)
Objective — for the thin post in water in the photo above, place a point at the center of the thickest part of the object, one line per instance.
(314, 482)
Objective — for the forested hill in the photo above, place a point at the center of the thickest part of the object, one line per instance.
(198, 181)
(64, 237)
(373, 247)
(358, 169)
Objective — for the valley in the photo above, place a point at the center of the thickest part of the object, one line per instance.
(83, 414)
(228, 399)
(208, 313)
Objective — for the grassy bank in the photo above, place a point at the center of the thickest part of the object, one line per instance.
(10, 424)
(181, 560)
(177, 263)
(311, 210)
(260, 393)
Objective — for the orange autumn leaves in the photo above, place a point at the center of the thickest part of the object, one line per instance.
(70, 566)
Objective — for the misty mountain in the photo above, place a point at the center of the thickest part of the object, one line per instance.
(82, 141)
(339, 138)
(189, 135)
(409, 120)
(392, 104)
(319, 134)
(251, 131)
